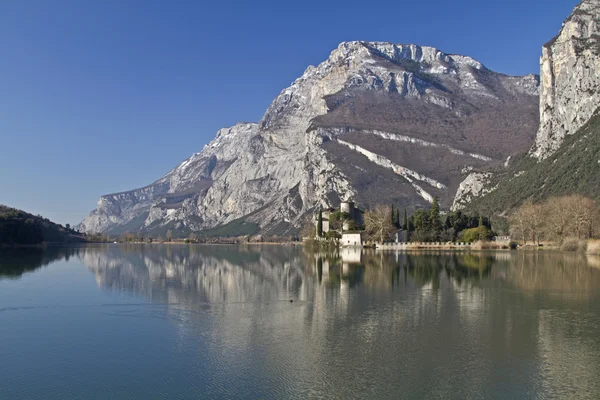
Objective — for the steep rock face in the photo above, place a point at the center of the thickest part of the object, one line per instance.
(175, 195)
(570, 78)
(476, 184)
(563, 158)
(376, 122)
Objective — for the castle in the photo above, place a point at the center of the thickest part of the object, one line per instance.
(355, 219)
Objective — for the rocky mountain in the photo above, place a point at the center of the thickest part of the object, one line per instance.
(570, 71)
(375, 122)
(565, 157)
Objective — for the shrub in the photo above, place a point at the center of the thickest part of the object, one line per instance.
(573, 244)
(487, 245)
(475, 234)
(469, 235)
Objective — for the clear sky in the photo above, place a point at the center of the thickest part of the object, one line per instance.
(101, 96)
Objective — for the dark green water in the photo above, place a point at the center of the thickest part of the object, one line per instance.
(179, 322)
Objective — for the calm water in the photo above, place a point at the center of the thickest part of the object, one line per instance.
(162, 322)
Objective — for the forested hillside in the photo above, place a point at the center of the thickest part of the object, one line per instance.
(573, 168)
(20, 227)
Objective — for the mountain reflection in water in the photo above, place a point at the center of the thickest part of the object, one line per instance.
(225, 274)
(400, 319)
(193, 321)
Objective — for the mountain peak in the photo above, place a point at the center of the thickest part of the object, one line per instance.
(427, 55)
(371, 109)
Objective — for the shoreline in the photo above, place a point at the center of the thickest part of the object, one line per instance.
(405, 247)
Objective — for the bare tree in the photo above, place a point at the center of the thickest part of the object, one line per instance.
(127, 237)
(518, 227)
(557, 219)
(534, 219)
(169, 235)
(378, 223)
(527, 222)
(595, 222)
(581, 211)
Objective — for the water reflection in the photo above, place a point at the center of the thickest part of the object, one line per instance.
(466, 323)
(362, 324)
(14, 262)
(230, 274)
(198, 274)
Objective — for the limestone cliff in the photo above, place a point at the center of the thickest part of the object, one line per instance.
(563, 159)
(570, 78)
(376, 122)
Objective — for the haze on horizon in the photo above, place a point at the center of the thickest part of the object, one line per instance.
(101, 97)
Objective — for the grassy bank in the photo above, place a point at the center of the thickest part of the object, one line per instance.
(593, 247)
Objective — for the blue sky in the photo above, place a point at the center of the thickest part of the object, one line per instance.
(103, 96)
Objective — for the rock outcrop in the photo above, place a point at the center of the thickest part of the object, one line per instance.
(476, 184)
(563, 158)
(570, 78)
(375, 122)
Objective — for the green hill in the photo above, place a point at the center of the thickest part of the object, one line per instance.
(573, 169)
(18, 227)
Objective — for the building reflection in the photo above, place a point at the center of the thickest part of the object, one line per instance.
(222, 274)
(427, 314)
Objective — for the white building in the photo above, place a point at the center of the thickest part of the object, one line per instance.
(351, 240)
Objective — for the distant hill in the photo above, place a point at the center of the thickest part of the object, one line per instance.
(18, 227)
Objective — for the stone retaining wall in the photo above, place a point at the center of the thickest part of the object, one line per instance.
(423, 245)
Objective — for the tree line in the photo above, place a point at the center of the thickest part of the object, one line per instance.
(556, 219)
(18, 227)
(426, 225)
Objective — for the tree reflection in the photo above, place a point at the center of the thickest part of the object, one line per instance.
(14, 262)
(387, 269)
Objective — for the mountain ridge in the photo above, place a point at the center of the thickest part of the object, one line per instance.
(311, 147)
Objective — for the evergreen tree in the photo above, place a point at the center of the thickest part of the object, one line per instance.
(421, 220)
(422, 226)
(397, 219)
(434, 219)
(320, 224)
(405, 221)
(481, 221)
(393, 215)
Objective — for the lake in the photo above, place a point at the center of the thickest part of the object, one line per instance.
(217, 322)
